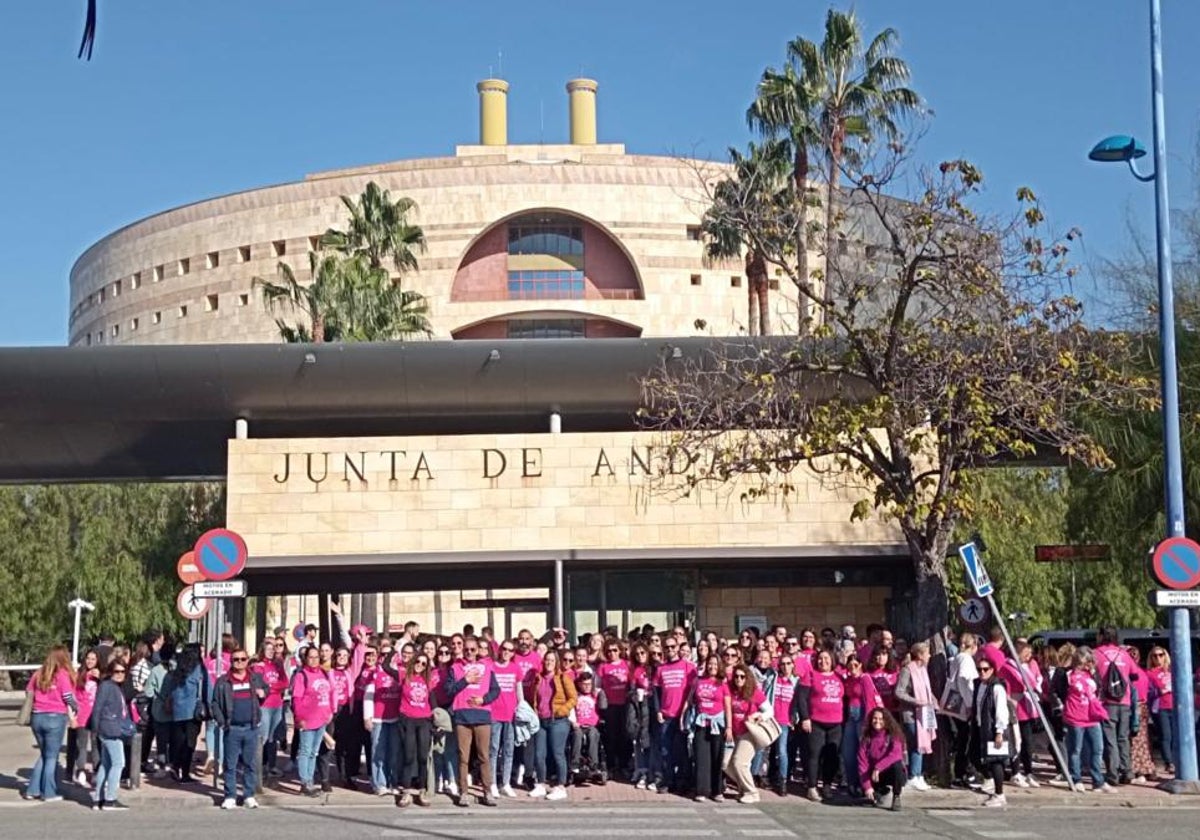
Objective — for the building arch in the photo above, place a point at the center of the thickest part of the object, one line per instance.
(546, 323)
(578, 259)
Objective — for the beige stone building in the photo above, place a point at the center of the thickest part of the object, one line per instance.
(516, 525)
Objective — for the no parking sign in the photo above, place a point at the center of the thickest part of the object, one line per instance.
(220, 554)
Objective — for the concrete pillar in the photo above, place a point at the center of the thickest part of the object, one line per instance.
(493, 112)
(555, 423)
(582, 93)
(559, 613)
(241, 428)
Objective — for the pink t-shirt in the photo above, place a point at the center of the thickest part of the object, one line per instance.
(273, 675)
(804, 668)
(710, 696)
(586, 712)
(481, 667)
(785, 690)
(885, 687)
(861, 693)
(1160, 678)
(312, 698)
(640, 678)
(508, 677)
(1117, 656)
(387, 696)
(53, 700)
(531, 661)
(825, 701)
(1081, 691)
(672, 679)
(340, 678)
(85, 697)
(415, 698)
(742, 709)
(614, 680)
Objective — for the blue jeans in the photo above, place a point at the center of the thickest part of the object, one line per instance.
(1079, 737)
(916, 761)
(385, 755)
(48, 730)
(213, 740)
(851, 731)
(1165, 720)
(306, 756)
(241, 742)
(267, 725)
(108, 776)
(669, 748)
(501, 752)
(446, 762)
(559, 731)
(536, 749)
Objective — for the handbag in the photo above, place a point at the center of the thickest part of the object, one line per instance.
(764, 732)
(25, 715)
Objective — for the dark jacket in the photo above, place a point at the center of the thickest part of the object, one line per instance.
(109, 712)
(222, 698)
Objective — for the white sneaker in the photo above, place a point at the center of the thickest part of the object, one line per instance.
(1032, 782)
(1077, 787)
(229, 804)
(652, 787)
(495, 791)
(508, 791)
(996, 800)
(250, 803)
(452, 788)
(558, 793)
(520, 775)
(1020, 781)
(917, 783)
(641, 784)
(539, 790)
(81, 779)
(988, 787)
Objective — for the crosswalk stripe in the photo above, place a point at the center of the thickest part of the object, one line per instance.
(551, 831)
(1007, 835)
(766, 832)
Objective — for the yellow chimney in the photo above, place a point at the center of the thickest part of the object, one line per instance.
(582, 93)
(493, 112)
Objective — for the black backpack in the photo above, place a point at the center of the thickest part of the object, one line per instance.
(1115, 687)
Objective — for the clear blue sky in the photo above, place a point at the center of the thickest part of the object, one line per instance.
(185, 100)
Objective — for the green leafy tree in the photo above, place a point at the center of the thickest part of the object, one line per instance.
(314, 302)
(379, 229)
(834, 98)
(954, 347)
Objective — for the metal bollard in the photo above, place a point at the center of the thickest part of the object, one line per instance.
(258, 764)
(135, 760)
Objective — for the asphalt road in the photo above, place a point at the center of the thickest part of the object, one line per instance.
(64, 821)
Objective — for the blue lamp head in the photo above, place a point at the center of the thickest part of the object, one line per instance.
(1120, 148)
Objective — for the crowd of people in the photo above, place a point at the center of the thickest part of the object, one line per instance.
(708, 717)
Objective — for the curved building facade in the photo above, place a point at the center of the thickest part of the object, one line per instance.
(575, 240)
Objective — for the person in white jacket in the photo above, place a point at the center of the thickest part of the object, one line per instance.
(957, 704)
(992, 719)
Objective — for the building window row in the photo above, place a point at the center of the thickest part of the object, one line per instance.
(558, 240)
(183, 266)
(545, 285)
(212, 303)
(546, 328)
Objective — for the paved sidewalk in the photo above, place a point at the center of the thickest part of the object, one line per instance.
(17, 754)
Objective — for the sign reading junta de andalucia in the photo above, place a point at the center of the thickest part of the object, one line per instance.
(394, 468)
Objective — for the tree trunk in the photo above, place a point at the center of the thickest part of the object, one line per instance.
(751, 292)
(318, 329)
(831, 237)
(756, 278)
(800, 180)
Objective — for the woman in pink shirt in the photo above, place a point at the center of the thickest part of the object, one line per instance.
(861, 697)
(710, 699)
(54, 709)
(821, 713)
(416, 729)
(1162, 704)
(614, 674)
(312, 706)
(81, 744)
(884, 671)
(1027, 704)
(783, 695)
(1082, 715)
(747, 704)
(269, 667)
(881, 759)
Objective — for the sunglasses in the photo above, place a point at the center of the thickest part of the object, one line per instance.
(508, 649)
(118, 671)
(670, 647)
(241, 659)
(422, 661)
(739, 676)
(730, 655)
(983, 668)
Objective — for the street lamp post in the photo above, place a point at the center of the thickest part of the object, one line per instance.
(1127, 150)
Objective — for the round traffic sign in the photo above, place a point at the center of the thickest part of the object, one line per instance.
(973, 612)
(187, 569)
(1176, 563)
(298, 632)
(191, 607)
(220, 554)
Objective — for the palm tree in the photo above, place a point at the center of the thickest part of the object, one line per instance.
(379, 229)
(315, 300)
(830, 95)
(756, 188)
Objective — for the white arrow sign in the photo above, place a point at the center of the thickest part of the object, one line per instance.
(235, 588)
(980, 582)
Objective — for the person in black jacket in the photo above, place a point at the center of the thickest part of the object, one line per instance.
(236, 710)
(111, 724)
